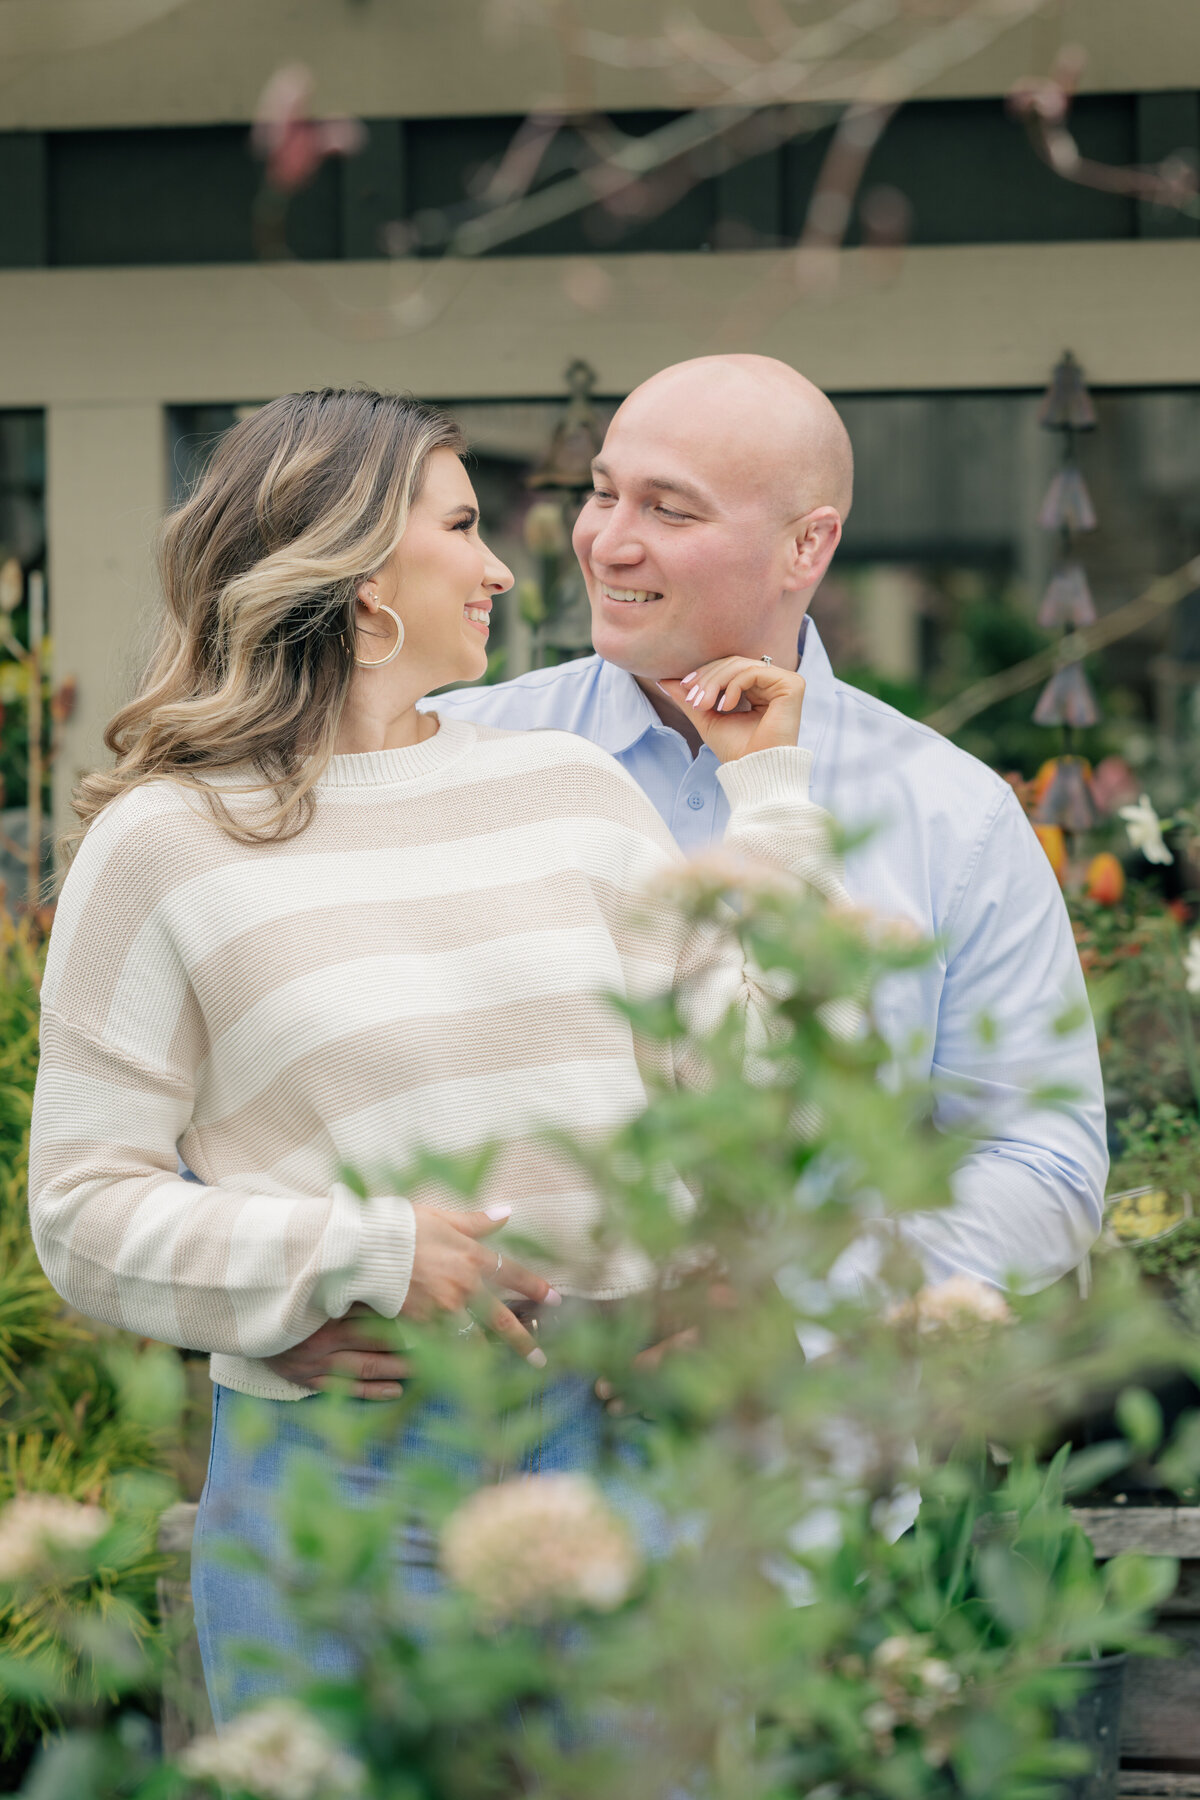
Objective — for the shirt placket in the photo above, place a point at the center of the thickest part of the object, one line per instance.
(695, 810)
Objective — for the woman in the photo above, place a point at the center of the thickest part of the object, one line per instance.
(309, 927)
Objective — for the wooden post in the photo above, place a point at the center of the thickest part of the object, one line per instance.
(185, 1709)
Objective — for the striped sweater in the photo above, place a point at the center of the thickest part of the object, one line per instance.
(424, 966)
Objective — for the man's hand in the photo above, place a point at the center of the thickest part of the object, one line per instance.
(344, 1350)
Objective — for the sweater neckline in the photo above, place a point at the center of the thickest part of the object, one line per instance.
(392, 768)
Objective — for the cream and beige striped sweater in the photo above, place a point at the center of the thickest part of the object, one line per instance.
(425, 965)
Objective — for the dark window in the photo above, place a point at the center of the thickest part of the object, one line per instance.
(971, 176)
(449, 162)
(188, 194)
(170, 196)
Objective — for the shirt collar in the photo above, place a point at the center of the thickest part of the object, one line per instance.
(819, 687)
(623, 715)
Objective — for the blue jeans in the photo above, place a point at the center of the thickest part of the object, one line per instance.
(245, 1486)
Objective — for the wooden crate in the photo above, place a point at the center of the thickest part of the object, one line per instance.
(1160, 1723)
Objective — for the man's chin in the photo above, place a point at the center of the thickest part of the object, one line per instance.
(637, 654)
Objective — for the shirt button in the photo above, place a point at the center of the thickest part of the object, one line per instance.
(695, 801)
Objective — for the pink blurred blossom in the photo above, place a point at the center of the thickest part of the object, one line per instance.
(290, 143)
(1114, 784)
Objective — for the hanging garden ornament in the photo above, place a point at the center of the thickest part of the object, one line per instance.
(1068, 599)
(1067, 699)
(1067, 802)
(1068, 505)
(1067, 405)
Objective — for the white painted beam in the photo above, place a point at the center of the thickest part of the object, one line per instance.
(106, 482)
(945, 318)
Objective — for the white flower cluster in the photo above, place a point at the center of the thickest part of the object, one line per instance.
(711, 874)
(1191, 965)
(954, 1305)
(915, 1687)
(276, 1752)
(34, 1527)
(530, 1544)
(1145, 830)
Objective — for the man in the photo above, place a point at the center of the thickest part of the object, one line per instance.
(720, 495)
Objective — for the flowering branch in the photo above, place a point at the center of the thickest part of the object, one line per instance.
(757, 94)
(1043, 104)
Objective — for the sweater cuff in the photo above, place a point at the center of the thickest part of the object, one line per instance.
(385, 1258)
(766, 777)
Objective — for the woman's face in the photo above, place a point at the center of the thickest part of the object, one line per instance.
(441, 579)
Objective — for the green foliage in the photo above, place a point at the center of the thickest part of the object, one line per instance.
(1133, 955)
(926, 1666)
(63, 1426)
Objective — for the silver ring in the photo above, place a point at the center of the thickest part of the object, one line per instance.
(499, 1264)
(768, 660)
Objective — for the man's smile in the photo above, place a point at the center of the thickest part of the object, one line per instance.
(628, 596)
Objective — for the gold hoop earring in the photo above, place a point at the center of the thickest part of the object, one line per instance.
(380, 662)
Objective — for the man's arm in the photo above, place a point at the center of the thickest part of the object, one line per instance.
(1029, 1199)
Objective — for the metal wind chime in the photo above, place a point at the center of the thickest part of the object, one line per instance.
(1067, 702)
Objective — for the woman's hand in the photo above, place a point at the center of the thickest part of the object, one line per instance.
(453, 1272)
(449, 1271)
(739, 706)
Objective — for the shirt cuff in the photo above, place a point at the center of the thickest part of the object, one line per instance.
(766, 777)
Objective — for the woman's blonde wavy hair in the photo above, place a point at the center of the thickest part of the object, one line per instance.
(260, 566)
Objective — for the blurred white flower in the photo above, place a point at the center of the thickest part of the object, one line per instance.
(34, 1526)
(956, 1304)
(710, 875)
(1145, 830)
(1191, 965)
(536, 1541)
(276, 1752)
(939, 1676)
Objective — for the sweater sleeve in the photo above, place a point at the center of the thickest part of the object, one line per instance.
(124, 1238)
(243, 1267)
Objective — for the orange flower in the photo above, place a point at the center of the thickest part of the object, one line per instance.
(1042, 780)
(1105, 879)
(1054, 843)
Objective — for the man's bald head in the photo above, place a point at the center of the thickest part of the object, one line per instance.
(763, 417)
(720, 494)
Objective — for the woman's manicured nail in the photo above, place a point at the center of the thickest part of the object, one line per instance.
(553, 1297)
(537, 1358)
(690, 677)
(498, 1212)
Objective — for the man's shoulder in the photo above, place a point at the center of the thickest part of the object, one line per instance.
(541, 748)
(542, 699)
(905, 750)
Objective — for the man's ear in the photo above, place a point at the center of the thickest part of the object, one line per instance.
(817, 536)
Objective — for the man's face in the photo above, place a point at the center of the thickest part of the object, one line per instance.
(683, 552)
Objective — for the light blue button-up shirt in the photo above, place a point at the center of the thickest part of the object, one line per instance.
(950, 850)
